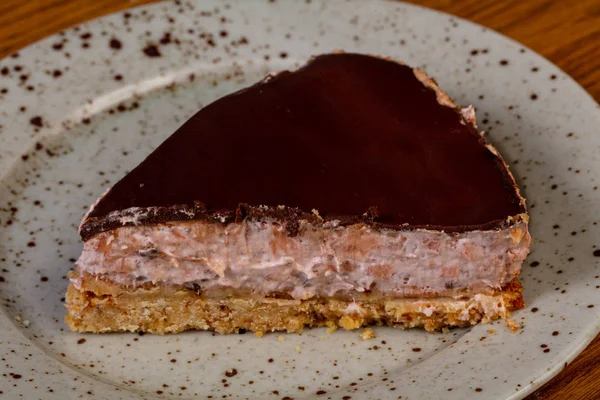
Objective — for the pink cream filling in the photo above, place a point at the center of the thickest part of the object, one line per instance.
(320, 261)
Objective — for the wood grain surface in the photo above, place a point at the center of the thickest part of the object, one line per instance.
(565, 32)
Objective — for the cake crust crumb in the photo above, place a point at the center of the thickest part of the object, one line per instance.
(368, 334)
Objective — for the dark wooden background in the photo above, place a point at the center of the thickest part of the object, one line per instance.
(565, 32)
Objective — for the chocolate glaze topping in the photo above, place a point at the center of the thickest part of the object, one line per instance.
(355, 137)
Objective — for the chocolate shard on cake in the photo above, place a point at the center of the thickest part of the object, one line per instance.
(348, 192)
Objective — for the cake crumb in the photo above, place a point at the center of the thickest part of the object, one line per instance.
(331, 327)
(298, 348)
(281, 338)
(316, 214)
(259, 333)
(18, 318)
(491, 331)
(281, 207)
(445, 329)
(349, 323)
(512, 324)
(368, 334)
(26, 323)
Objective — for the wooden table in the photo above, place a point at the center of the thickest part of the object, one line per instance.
(567, 33)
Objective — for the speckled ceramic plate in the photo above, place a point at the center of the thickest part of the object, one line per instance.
(79, 109)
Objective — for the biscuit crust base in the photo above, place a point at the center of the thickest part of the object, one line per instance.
(100, 306)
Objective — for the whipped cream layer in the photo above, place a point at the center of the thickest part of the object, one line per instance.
(327, 260)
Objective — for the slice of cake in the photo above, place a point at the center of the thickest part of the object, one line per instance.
(349, 192)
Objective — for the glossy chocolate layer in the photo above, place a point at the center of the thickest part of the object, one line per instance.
(346, 135)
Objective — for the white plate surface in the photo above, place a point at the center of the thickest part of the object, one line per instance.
(79, 109)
